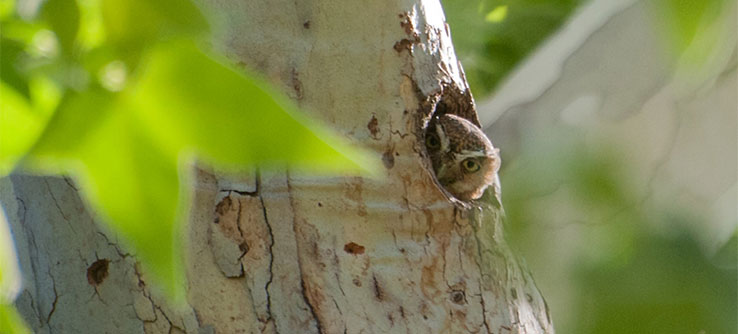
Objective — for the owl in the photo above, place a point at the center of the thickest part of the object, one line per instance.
(463, 158)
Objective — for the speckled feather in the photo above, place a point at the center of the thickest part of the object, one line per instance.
(461, 140)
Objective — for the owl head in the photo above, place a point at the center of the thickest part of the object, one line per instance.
(463, 158)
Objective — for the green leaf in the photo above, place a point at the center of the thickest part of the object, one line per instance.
(190, 99)
(699, 35)
(91, 25)
(492, 36)
(69, 128)
(497, 15)
(7, 8)
(11, 51)
(127, 150)
(63, 17)
(10, 321)
(136, 185)
(682, 18)
(131, 25)
(125, 174)
(20, 122)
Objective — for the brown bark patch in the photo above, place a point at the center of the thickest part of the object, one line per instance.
(413, 38)
(227, 215)
(97, 272)
(378, 292)
(296, 83)
(388, 158)
(373, 127)
(428, 279)
(222, 207)
(407, 24)
(353, 194)
(353, 248)
(458, 297)
(405, 44)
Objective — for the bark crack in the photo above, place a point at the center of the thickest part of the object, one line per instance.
(338, 283)
(243, 193)
(69, 183)
(171, 325)
(53, 303)
(484, 313)
(303, 285)
(154, 305)
(115, 245)
(243, 246)
(271, 248)
(56, 203)
(22, 205)
(34, 250)
(305, 298)
(482, 284)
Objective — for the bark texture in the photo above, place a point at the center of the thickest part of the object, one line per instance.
(282, 252)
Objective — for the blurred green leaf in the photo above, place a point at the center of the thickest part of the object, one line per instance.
(91, 26)
(126, 148)
(698, 34)
(20, 122)
(10, 321)
(497, 15)
(493, 36)
(11, 52)
(189, 99)
(7, 7)
(136, 185)
(668, 287)
(69, 129)
(134, 99)
(124, 173)
(131, 25)
(63, 18)
(682, 18)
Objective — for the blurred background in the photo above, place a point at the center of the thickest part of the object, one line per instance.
(617, 124)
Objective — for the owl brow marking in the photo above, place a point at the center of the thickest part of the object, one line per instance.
(445, 143)
(475, 154)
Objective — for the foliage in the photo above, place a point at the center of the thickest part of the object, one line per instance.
(492, 36)
(617, 274)
(694, 33)
(10, 320)
(121, 95)
(666, 287)
(573, 207)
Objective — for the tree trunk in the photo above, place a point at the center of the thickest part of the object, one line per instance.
(283, 252)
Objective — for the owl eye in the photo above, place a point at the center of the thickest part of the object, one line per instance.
(432, 142)
(470, 165)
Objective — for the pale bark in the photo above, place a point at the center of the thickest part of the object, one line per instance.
(282, 252)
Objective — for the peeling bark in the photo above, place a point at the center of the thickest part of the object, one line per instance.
(283, 252)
